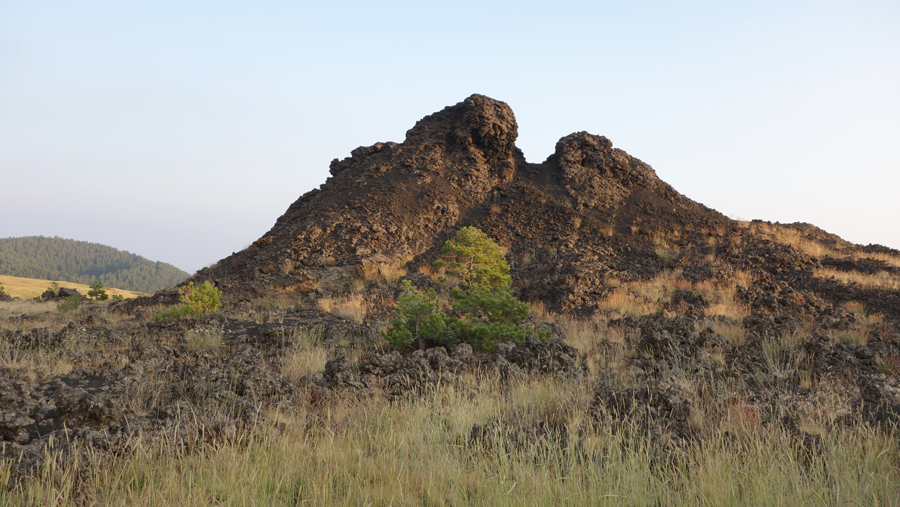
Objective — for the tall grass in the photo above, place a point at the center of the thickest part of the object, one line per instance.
(423, 452)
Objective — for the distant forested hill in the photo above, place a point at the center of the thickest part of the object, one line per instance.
(83, 262)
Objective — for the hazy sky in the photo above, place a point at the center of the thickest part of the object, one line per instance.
(181, 130)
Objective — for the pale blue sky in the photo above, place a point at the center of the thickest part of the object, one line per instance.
(181, 130)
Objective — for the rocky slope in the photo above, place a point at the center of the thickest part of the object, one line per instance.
(590, 214)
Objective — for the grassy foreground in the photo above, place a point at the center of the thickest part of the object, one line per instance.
(534, 440)
(423, 452)
(29, 288)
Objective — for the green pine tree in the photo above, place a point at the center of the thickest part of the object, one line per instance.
(485, 312)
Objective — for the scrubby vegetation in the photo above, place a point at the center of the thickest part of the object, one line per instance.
(644, 427)
(195, 302)
(97, 292)
(484, 310)
(84, 262)
(69, 304)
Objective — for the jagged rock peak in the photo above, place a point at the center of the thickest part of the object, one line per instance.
(597, 175)
(479, 123)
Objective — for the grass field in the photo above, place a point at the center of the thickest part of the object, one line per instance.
(28, 288)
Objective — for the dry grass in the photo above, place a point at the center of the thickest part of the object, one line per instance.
(350, 306)
(744, 278)
(881, 280)
(721, 297)
(539, 311)
(304, 355)
(621, 302)
(886, 258)
(392, 273)
(280, 301)
(29, 307)
(539, 442)
(603, 347)
(728, 308)
(793, 238)
(209, 338)
(733, 332)
(47, 357)
(642, 297)
(30, 288)
(852, 336)
(363, 451)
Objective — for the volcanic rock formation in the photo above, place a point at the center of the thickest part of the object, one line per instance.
(567, 222)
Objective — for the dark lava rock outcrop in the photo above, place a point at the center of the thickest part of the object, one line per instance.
(588, 215)
(399, 374)
(390, 204)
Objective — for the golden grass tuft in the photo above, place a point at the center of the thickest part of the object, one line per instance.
(349, 306)
(623, 302)
(735, 333)
(209, 338)
(304, 356)
(792, 237)
(883, 257)
(881, 280)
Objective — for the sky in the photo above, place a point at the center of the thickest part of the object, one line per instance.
(181, 130)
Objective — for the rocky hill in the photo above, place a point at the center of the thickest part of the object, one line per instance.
(578, 225)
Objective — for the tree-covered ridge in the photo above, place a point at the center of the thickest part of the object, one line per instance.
(84, 262)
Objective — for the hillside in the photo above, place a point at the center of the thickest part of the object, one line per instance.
(29, 288)
(83, 262)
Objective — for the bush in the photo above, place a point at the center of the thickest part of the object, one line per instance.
(97, 291)
(418, 318)
(70, 304)
(485, 312)
(195, 302)
(117, 297)
(475, 258)
(487, 316)
(2, 290)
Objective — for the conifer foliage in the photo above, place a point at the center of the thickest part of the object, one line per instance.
(483, 310)
(97, 292)
(82, 262)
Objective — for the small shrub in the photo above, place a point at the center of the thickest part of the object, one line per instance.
(2, 290)
(486, 317)
(68, 305)
(195, 302)
(117, 297)
(97, 291)
(418, 318)
(475, 258)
